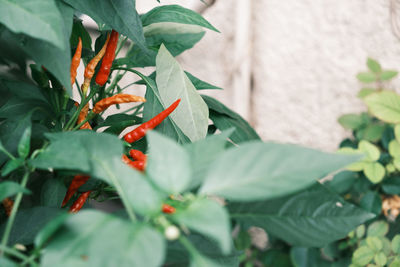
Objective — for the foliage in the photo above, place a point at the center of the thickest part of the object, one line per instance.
(217, 176)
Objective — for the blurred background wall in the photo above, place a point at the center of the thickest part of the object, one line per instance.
(289, 66)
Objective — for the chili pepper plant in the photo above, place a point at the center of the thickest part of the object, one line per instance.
(171, 181)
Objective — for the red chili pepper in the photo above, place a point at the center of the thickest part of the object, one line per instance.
(105, 68)
(138, 165)
(168, 209)
(76, 59)
(137, 155)
(77, 182)
(78, 204)
(140, 131)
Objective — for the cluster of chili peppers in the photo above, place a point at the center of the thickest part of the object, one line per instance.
(139, 159)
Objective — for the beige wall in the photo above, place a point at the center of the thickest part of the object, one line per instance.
(289, 66)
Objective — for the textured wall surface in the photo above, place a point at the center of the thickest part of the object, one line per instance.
(289, 66)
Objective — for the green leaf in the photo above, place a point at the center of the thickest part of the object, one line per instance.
(49, 229)
(25, 142)
(395, 262)
(8, 189)
(364, 92)
(351, 121)
(394, 149)
(261, 173)
(312, 218)
(120, 15)
(176, 38)
(342, 181)
(54, 59)
(374, 243)
(380, 259)
(11, 132)
(388, 75)
(373, 132)
(396, 244)
(118, 122)
(374, 65)
(175, 13)
(202, 153)
(191, 116)
(93, 238)
(366, 77)
(378, 228)
(370, 150)
(28, 223)
(360, 231)
(168, 164)
(42, 16)
(391, 185)
(225, 118)
(11, 166)
(372, 202)
(306, 257)
(198, 84)
(154, 106)
(78, 30)
(81, 152)
(52, 193)
(177, 255)
(363, 255)
(7, 262)
(384, 105)
(208, 218)
(374, 171)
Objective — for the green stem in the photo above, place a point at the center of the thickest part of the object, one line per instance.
(74, 117)
(5, 151)
(189, 247)
(18, 255)
(120, 45)
(14, 210)
(120, 191)
(88, 117)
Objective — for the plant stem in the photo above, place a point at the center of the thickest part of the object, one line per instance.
(19, 255)
(189, 247)
(74, 117)
(88, 117)
(14, 210)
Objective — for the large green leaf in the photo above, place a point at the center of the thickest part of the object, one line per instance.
(384, 105)
(52, 193)
(8, 189)
(168, 164)
(191, 116)
(198, 84)
(92, 238)
(55, 60)
(120, 15)
(118, 122)
(202, 153)
(312, 218)
(214, 223)
(176, 37)
(225, 118)
(99, 155)
(178, 256)
(154, 106)
(256, 170)
(28, 223)
(41, 19)
(175, 13)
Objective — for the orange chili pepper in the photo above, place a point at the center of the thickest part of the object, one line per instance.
(76, 59)
(116, 99)
(78, 204)
(77, 182)
(89, 70)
